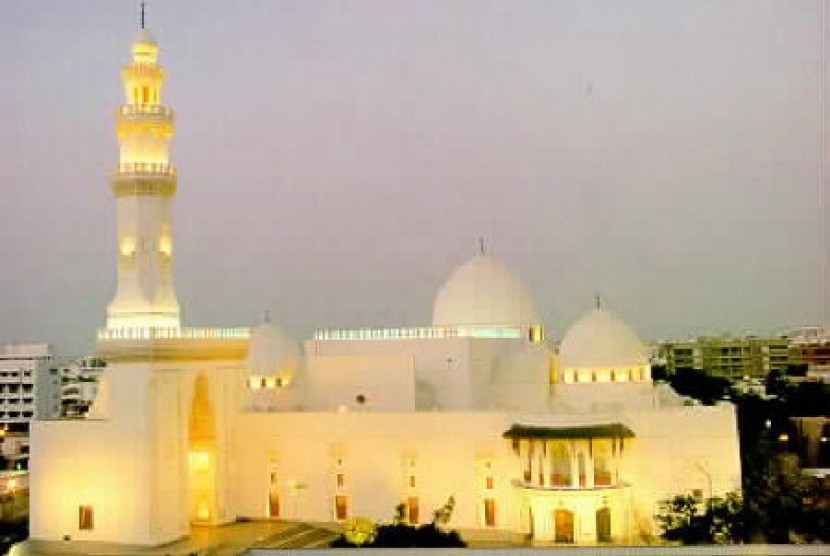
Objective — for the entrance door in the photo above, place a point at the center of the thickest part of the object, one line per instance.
(603, 525)
(564, 521)
(273, 504)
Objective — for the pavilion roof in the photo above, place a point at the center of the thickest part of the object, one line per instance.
(602, 430)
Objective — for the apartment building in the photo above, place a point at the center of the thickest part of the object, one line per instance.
(79, 385)
(728, 357)
(810, 348)
(29, 389)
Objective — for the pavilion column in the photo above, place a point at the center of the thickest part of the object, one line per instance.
(574, 465)
(589, 465)
(532, 462)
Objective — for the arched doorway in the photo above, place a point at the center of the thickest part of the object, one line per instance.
(202, 454)
(603, 525)
(564, 526)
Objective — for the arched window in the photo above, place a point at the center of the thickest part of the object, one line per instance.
(563, 521)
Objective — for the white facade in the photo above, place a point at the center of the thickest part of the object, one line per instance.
(207, 425)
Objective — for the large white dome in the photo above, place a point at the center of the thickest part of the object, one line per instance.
(483, 292)
(270, 349)
(599, 339)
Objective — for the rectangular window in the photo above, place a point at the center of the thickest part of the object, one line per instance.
(273, 504)
(412, 481)
(488, 483)
(85, 518)
(340, 480)
(489, 512)
(340, 507)
(412, 509)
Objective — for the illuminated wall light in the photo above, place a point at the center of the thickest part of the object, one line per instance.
(199, 461)
(127, 246)
(203, 511)
(166, 245)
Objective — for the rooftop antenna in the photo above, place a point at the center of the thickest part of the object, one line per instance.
(482, 248)
(143, 5)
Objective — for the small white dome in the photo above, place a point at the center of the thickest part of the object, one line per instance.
(270, 349)
(483, 292)
(599, 339)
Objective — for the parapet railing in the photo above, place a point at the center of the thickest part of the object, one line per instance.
(147, 168)
(418, 332)
(170, 333)
(131, 110)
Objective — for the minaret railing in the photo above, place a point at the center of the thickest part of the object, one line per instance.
(146, 168)
(136, 110)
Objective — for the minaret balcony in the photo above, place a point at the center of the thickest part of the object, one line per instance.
(145, 110)
(146, 169)
(144, 178)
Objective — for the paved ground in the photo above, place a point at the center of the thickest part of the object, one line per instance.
(229, 540)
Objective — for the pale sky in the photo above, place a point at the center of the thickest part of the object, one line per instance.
(338, 159)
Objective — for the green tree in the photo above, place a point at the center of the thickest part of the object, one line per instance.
(685, 519)
(775, 495)
(400, 534)
(699, 385)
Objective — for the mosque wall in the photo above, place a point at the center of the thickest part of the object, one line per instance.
(520, 381)
(692, 449)
(604, 398)
(372, 382)
(376, 453)
(132, 468)
(442, 366)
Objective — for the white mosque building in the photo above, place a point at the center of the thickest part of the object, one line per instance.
(210, 425)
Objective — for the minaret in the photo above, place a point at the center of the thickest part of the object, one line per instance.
(144, 186)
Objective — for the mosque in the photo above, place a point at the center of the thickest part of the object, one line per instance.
(211, 425)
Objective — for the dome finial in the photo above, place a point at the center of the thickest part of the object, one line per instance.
(143, 6)
(482, 247)
(598, 300)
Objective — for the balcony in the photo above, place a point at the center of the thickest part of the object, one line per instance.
(144, 110)
(145, 169)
